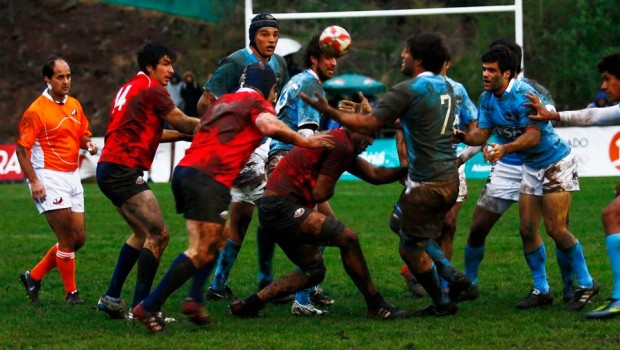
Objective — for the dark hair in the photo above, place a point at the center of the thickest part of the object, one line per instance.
(512, 46)
(48, 66)
(150, 54)
(260, 77)
(430, 49)
(312, 50)
(505, 58)
(610, 64)
(260, 21)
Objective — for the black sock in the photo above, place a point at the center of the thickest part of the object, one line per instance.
(147, 268)
(374, 301)
(254, 303)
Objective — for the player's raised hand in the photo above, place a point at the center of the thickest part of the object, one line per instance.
(541, 110)
(319, 103)
(319, 141)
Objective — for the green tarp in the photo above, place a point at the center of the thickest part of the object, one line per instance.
(207, 10)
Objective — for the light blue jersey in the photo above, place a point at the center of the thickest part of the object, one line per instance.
(509, 118)
(293, 111)
(545, 98)
(465, 110)
(226, 77)
(425, 106)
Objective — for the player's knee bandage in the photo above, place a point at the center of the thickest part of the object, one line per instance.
(316, 272)
(331, 227)
(414, 244)
(395, 219)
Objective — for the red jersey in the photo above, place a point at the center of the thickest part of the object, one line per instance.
(295, 175)
(227, 135)
(136, 123)
(52, 132)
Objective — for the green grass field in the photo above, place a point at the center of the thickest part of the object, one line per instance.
(491, 322)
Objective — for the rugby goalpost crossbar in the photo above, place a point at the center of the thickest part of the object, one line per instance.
(517, 8)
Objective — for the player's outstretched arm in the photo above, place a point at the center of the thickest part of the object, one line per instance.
(473, 137)
(542, 112)
(181, 121)
(364, 123)
(271, 126)
(376, 175)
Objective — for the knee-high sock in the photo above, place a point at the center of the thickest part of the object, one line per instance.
(179, 272)
(613, 250)
(226, 260)
(430, 281)
(65, 260)
(536, 261)
(578, 262)
(445, 269)
(566, 270)
(47, 264)
(127, 258)
(473, 259)
(196, 289)
(303, 296)
(266, 247)
(147, 268)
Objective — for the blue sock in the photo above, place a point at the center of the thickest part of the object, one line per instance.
(227, 258)
(196, 289)
(536, 262)
(266, 248)
(444, 267)
(179, 272)
(303, 296)
(125, 263)
(613, 250)
(473, 258)
(566, 270)
(578, 262)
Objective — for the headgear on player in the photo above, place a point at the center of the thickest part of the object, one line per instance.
(260, 77)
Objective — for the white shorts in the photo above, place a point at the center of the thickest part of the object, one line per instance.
(462, 185)
(502, 188)
(249, 193)
(63, 190)
(558, 177)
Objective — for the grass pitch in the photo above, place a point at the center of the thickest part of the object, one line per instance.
(491, 322)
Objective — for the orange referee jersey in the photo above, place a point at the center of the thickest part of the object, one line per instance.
(52, 132)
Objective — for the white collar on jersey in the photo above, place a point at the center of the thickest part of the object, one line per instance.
(314, 74)
(425, 73)
(47, 94)
(247, 89)
(510, 85)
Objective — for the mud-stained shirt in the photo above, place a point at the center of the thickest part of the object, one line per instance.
(227, 135)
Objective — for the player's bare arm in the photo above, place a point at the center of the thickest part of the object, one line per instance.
(542, 112)
(324, 188)
(87, 144)
(364, 123)
(271, 126)
(376, 175)
(205, 101)
(36, 187)
(474, 137)
(181, 121)
(174, 135)
(530, 138)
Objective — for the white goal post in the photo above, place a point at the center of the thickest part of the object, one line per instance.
(517, 8)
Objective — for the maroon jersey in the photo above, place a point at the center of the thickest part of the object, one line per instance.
(136, 123)
(227, 136)
(295, 175)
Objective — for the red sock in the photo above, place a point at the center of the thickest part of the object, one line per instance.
(66, 265)
(404, 271)
(47, 264)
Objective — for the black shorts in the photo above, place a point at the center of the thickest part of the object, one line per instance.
(119, 183)
(281, 217)
(198, 196)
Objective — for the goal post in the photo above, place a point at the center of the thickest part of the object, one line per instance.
(516, 8)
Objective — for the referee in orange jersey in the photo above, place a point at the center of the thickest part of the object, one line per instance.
(51, 133)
